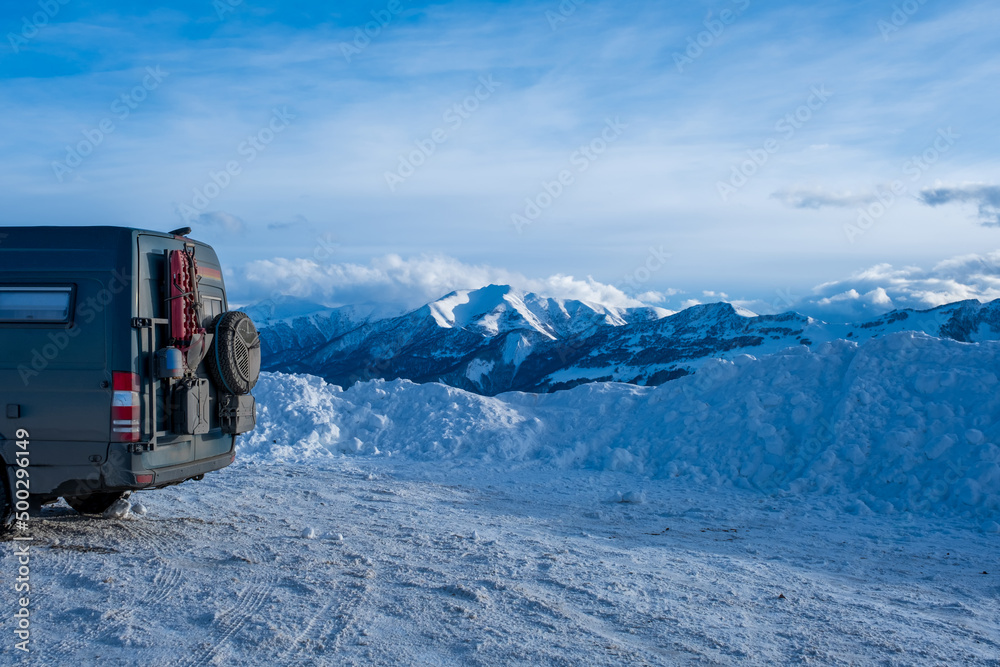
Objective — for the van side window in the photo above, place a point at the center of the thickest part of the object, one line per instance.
(212, 308)
(36, 304)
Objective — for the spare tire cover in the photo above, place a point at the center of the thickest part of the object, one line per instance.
(234, 358)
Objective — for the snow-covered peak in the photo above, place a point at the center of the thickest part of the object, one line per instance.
(496, 339)
(464, 308)
(496, 309)
(709, 314)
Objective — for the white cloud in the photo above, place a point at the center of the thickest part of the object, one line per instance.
(408, 282)
(883, 287)
(652, 297)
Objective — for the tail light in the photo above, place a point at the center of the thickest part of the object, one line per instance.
(125, 407)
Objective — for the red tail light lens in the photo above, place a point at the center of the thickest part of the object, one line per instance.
(125, 407)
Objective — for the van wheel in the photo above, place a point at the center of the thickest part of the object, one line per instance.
(95, 503)
(6, 502)
(234, 358)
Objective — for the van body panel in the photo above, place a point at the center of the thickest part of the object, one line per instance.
(175, 453)
(65, 480)
(56, 375)
(211, 447)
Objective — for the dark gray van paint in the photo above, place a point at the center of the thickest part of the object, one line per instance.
(76, 305)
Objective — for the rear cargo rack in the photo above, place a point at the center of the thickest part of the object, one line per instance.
(145, 326)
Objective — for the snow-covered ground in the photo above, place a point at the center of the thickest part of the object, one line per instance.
(419, 563)
(838, 505)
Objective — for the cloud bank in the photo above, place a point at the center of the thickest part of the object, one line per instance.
(882, 288)
(410, 282)
(406, 283)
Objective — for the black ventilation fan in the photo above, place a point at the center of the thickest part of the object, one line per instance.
(181, 231)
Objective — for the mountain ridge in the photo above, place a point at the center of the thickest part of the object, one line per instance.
(496, 339)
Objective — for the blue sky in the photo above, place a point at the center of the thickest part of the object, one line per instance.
(715, 149)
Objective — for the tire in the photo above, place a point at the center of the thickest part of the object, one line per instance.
(234, 358)
(95, 503)
(6, 502)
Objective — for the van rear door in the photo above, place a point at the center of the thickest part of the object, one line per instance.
(176, 446)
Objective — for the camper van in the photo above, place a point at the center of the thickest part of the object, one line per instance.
(121, 366)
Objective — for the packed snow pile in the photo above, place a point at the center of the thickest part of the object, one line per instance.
(906, 422)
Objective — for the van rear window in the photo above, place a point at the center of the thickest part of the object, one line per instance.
(35, 304)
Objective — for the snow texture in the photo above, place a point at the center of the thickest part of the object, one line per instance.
(901, 423)
(413, 563)
(834, 505)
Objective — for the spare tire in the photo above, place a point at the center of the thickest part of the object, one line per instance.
(234, 358)
(6, 502)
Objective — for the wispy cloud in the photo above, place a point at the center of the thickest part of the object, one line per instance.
(220, 220)
(985, 197)
(815, 198)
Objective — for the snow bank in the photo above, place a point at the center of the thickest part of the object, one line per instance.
(904, 422)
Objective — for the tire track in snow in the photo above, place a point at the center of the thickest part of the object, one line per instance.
(333, 620)
(560, 609)
(167, 578)
(233, 619)
(66, 531)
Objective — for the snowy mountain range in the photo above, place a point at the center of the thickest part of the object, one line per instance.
(496, 339)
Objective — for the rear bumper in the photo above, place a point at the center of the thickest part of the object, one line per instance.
(184, 471)
(136, 476)
(117, 474)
